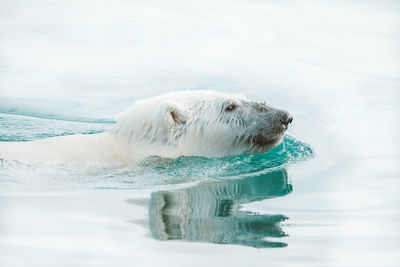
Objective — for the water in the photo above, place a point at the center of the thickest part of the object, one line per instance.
(327, 196)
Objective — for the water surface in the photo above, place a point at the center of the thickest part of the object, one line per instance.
(327, 196)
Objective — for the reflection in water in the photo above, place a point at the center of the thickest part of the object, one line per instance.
(209, 212)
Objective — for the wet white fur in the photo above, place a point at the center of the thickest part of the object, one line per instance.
(189, 123)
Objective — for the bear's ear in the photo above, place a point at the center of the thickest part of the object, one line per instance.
(174, 118)
(177, 116)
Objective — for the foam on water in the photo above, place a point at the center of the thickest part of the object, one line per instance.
(289, 151)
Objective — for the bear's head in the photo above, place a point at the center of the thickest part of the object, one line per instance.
(201, 123)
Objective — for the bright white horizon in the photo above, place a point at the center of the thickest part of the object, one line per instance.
(81, 50)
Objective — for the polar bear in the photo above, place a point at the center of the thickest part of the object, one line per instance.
(182, 123)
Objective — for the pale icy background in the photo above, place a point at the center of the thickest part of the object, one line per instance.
(333, 64)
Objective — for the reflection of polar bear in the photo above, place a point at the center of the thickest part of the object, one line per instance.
(211, 211)
(190, 123)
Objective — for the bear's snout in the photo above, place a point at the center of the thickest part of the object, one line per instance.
(285, 118)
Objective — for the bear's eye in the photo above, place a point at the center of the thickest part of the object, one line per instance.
(230, 107)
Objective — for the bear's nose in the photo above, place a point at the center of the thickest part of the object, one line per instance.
(286, 119)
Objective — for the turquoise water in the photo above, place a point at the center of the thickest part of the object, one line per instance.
(327, 196)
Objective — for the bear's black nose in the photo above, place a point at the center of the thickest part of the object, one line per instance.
(286, 119)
